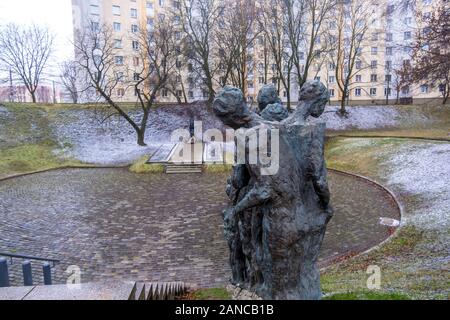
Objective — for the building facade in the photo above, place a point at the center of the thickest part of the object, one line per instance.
(383, 51)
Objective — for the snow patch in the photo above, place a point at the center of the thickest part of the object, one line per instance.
(422, 169)
(369, 117)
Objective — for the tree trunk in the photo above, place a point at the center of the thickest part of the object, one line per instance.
(288, 97)
(33, 96)
(446, 94)
(141, 138)
(342, 110)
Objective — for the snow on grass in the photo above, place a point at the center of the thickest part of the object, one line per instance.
(370, 117)
(423, 170)
(113, 142)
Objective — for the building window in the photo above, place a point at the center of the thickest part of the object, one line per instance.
(374, 64)
(388, 65)
(134, 28)
(119, 76)
(191, 94)
(373, 78)
(331, 92)
(373, 91)
(116, 10)
(424, 88)
(117, 26)
(407, 35)
(387, 91)
(95, 10)
(358, 92)
(358, 64)
(374, 36)
(389, 37)
(134, 13)
(374, 50)
(358, 78)
(136, 76)
(390, 9)
(135, 45)
(407, 21)
(165, 93)
(331, 79)
(117, 43)
(135, 61)
(95, 26)
(120, 92)
(388, 78)
(389, 51)
(118, 60)
(405, 90)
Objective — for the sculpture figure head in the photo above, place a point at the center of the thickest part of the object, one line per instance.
(267, 95)
(314, 97)
(229, 105)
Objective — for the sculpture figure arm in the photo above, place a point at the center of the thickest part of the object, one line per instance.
(258, 195)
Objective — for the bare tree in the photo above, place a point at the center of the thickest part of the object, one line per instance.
(26, 51)
(401, 78)
(431, 50)
(110, 77)
(235, 40)
(69, 75)
(353, 18)
(271, 22)
(305, 24)
(199, 19)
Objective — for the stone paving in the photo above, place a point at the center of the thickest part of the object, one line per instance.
(114, 224)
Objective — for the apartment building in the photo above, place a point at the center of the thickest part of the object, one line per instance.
(382, 52)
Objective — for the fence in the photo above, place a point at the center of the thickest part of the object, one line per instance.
(47, 265)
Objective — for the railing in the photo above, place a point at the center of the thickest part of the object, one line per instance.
(26, 268)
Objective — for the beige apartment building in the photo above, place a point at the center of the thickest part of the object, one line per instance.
(383, 50)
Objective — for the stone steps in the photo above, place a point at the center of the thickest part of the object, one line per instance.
(158, 290)
(184, 168)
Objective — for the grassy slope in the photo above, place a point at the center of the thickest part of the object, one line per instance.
(27, 141)
(438, 126)
(396, 258)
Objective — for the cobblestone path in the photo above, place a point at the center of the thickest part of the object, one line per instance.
(114, 224)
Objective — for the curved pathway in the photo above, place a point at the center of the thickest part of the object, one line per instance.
(116, 224)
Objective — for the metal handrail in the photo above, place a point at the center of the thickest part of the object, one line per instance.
(21, 256)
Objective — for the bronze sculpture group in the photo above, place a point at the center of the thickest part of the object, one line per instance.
(275, 223)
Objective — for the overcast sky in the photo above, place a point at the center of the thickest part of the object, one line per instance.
(56, 14)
